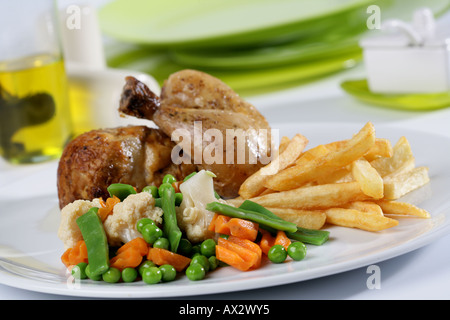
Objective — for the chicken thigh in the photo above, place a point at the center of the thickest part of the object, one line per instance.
(192, 100)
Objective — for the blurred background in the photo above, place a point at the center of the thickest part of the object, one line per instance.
(257, 47)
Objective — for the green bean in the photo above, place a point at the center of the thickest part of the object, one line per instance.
(189, 176)
(170, 225)
(94, 236)
(153, 190)
(121, 190)
(314, 237)
(261, 219)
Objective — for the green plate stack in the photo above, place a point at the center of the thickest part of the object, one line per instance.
(254, 46)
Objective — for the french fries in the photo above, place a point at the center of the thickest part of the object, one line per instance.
(290, 151)
(353, 183)
(298, 175)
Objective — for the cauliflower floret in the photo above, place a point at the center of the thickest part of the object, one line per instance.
(120, 226)
(68, 231)
(192, 216)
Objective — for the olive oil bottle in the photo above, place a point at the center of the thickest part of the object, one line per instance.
(35, 121)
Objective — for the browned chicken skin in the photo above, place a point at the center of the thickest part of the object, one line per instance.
(141, 156)
(189, 96)
(134, 155)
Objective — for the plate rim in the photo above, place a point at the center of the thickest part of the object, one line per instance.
(209, 287)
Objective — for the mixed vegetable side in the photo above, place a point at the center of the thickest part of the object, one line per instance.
(239, 237)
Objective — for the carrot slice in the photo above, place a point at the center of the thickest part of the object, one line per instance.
(282, 239)
(250, 257)
(212, 224)
(138, 243)
(162, 256)
(129, 258)
(75, 255)
(107, 208)
(250, 245)
(221, 224)
(244, 229)
(232, 258)
(266, 242)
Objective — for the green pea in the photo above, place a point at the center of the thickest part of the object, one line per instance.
(213, 262)
(90, 275)
(202, 260)
(208, 248)
(184, 247)
(195, 272)
(178, 198)
(153, 190)
(129, 274)
(195, 249)
(144, 265)
(152, 275)
(168, 272)
(162, 243)
(79, 271)
(168, 178)
(297, 250)
(142, 222)
(277, 253)
(151, 233)
(112, 275)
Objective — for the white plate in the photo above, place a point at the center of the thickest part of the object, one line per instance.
(30, 250)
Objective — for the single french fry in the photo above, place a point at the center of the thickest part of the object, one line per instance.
(352, 218)
(314, 197)
(402, 159)
(369, 179)
(381, 149)
(402, 208)
(309, 219)
(312, 154)
(253, 185)
(338, 176)
(298, 175)
(283, 144)
(365, 206)
(396, 186)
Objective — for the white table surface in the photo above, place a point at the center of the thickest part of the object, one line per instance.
(420, 274)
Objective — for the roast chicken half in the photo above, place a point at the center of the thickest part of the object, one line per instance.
(190, 100)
